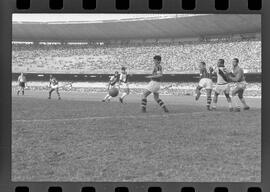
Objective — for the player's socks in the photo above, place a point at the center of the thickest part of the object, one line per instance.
(198, 95)
(235, 102)
(22, 92)
(208, 108)
(123, 95)
(162, 105)
(121, 100)
(243, 101)
(143, 105)
(106, 97)
(18, 92)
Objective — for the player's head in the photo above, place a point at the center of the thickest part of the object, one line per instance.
(51, 76)
(123, 69)
(157, 59)
(116, 73)
(21, 73)
(221, 63)
(202, 65)
(235, 62)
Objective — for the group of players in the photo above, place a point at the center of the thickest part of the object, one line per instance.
(53, 85)
(225, 79)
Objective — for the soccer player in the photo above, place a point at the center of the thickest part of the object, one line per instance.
(222, 84)
(123, 82)
(112, 83)
(205, 82)
(238, 77)
(22, 83)
(53, 84)
(154, 86)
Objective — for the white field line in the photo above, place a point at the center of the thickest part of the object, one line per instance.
(111, 117)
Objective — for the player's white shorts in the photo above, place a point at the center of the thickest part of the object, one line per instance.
(124, 87)
(222, 88)
(54, 86)
(241, 85)
(206, 83)
(153, 86)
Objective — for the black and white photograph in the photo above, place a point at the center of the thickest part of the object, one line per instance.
(136, 97)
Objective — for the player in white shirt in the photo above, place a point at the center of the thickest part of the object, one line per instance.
(123, 83)
(112, 83)
(21, 83)
(222, 84)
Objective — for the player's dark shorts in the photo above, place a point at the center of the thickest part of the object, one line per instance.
(22, 84)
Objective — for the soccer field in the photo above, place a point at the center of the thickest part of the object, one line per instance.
(79, 138)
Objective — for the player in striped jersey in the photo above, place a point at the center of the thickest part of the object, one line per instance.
(238, 77)
(205, 82)
(222, 84)
(22, 83)
(154, 86)
(54, 86)
(123, 83)
(112, 83)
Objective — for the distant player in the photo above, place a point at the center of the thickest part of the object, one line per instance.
(112, 83)
(54, 86)
(205, 82)
(238, 77)
(123, 82)
(154, 85)
(222, 84)
(21, 83)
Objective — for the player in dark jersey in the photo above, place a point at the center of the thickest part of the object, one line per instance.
(238, 77)
(124, 84)
(54, 86)
(112, 83)
(154, 85)
(205, 82)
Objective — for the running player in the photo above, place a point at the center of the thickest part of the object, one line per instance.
(222, 84)
(123, 82)
(154, 86)
(112, 83)
(21, 83)
(205, 82)
(53, 87)
(238, 77)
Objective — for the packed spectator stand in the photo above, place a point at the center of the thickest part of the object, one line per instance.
(177, 57)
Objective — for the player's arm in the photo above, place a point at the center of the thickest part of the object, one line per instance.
(158, 75)
(237, 76)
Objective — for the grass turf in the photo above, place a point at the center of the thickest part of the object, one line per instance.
(80, 138)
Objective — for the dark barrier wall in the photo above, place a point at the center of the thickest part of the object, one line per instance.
(250, 77)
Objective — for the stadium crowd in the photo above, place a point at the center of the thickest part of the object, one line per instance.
(177, 57)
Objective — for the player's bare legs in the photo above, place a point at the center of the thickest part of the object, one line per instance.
(198, 92)
(50, 93)
(236, 104)
(242, 99)
(58, 94)
(145, 94)
(126, 92)
(239, 92)
(215, 99)
(227, 95)
(160, 102)
(209, 98)
(107, 98)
